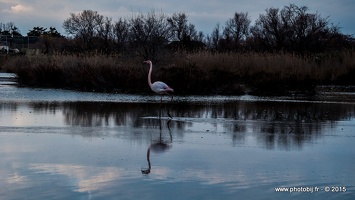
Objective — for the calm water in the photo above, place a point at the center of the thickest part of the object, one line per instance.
(57, 144)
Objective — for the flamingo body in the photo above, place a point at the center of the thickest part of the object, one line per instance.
(158, 86)
(161, 87)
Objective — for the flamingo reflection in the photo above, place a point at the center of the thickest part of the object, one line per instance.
(158, 147)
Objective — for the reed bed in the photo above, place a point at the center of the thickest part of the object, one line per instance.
(197, 73)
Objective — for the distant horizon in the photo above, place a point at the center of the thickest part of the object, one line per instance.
(205, 15)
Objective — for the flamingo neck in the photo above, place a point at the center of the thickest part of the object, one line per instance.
(150, 75)
(148, 158)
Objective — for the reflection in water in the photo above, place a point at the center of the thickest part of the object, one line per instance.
(75, 150)
(283, 125)
(160, 146)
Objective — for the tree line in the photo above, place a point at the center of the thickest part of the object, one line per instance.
(155, 34)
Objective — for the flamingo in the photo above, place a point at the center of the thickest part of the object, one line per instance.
(158, 86)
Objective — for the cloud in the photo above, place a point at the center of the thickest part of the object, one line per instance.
(86, 178)
(15, 178)
(19, 8)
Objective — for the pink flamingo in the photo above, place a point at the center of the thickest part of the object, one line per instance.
(158, 86)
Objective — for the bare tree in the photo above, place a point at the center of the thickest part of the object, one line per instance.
(178, 26)
(270, 28)
(200, 37)
(293, 29)
(105, 34)
(191, 32)
(307, 31)
(149, 35)
(85, 26)
(237, 28)
(183, 34)
(215, 37)
(121, 33)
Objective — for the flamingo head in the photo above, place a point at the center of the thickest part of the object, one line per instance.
(147, 62)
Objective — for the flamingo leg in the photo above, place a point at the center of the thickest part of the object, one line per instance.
(160, 107)
(169, 107)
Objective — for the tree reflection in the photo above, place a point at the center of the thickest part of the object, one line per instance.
(282, 125)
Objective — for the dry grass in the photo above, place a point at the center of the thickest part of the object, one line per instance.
(94, 73)
(199, 73)
(271, 73)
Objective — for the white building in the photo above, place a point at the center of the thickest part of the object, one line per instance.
(4, 48)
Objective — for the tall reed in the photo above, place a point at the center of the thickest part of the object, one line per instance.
(197, 73)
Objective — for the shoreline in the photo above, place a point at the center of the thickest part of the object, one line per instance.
(14, 94)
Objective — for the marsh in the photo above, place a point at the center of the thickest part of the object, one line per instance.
(59, 144)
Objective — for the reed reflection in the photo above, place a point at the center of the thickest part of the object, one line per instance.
(274, 124)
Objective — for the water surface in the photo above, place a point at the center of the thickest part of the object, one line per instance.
(58, 144)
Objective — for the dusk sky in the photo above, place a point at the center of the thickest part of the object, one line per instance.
(204, 14)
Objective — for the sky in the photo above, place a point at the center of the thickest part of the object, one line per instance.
(204, 14)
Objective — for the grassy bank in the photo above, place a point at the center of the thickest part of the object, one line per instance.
(199, 73)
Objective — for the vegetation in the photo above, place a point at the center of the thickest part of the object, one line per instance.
(286, 50)
(194, 73)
